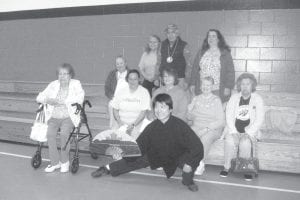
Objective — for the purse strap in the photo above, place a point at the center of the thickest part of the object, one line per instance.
(238, 151)
(41, 113)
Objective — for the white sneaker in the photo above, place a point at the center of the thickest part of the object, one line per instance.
(200, 169)
(52, 168)
(65, 167)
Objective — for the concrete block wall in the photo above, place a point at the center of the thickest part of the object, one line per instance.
(264, 42)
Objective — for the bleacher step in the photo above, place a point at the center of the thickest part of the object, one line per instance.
(273, 155)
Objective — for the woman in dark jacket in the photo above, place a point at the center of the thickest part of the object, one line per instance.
(116, 77)
(214, 59)
(115, 81)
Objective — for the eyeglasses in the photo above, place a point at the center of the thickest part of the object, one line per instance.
(63, 74)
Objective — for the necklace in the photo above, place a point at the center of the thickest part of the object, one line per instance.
(170, 56)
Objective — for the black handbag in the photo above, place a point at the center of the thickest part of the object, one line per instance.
(245, 165)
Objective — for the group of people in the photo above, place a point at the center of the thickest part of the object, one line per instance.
(175, 114)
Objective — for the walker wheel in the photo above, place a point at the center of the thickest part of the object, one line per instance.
(94, 155)
(36, 160)
(75, 165)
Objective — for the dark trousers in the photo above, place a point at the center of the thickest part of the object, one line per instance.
(124, 166)
(149, 86)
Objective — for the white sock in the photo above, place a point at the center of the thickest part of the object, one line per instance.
(107, 167)
(201, 164)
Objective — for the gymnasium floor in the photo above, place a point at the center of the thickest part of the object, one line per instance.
(18, 180)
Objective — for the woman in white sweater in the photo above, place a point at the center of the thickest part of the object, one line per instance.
(58, 98)
(244, 117)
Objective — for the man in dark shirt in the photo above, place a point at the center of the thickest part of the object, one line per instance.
(167, 142)
(175, 53)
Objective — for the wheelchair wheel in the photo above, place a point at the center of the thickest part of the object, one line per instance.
(36, 160)
(94, 155)
(74, 165)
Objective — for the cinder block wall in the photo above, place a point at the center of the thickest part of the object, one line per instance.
(264, 42)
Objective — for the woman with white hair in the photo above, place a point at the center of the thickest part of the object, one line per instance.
(244, 118)
(206, 117)
(60, 114)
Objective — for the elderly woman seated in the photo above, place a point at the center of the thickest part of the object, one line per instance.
(130, 105)
(206, 117)
(244, 118)
(60, 114)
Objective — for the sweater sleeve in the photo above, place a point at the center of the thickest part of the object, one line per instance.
(259, 117)
(219, 115)
(195, 69)
(187, 56)
(142, 66)
(77, 94)
(230, 114)
(108, 87)
(182, 105)
(190, 109)
(42, 96)
(230, 73)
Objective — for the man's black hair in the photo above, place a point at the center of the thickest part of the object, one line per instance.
(163, 98)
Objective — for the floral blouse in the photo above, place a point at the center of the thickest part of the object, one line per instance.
(210, 66)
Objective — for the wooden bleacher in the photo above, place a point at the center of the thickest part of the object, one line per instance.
(18, 106)
(276, 151)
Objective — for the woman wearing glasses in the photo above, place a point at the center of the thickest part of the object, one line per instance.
(58, 98)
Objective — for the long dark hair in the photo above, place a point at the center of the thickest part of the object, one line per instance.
(221, 44)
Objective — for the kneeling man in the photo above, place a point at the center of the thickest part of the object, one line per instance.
(167, 142)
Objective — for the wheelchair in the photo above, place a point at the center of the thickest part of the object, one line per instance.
(75, 136)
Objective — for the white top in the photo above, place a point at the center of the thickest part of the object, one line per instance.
(60, 111)
(75, 95)
(256, 114)
(121, 83)
(130, 104)
(148, 65)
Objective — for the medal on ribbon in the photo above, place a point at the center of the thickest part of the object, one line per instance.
(169, 59)
(170, 54)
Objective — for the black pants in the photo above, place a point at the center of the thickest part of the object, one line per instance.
(124, 166)
(149, 86)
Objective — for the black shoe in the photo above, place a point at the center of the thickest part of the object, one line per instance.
(99, 172)
(192, 187)
(224, 173)
(248, 177)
